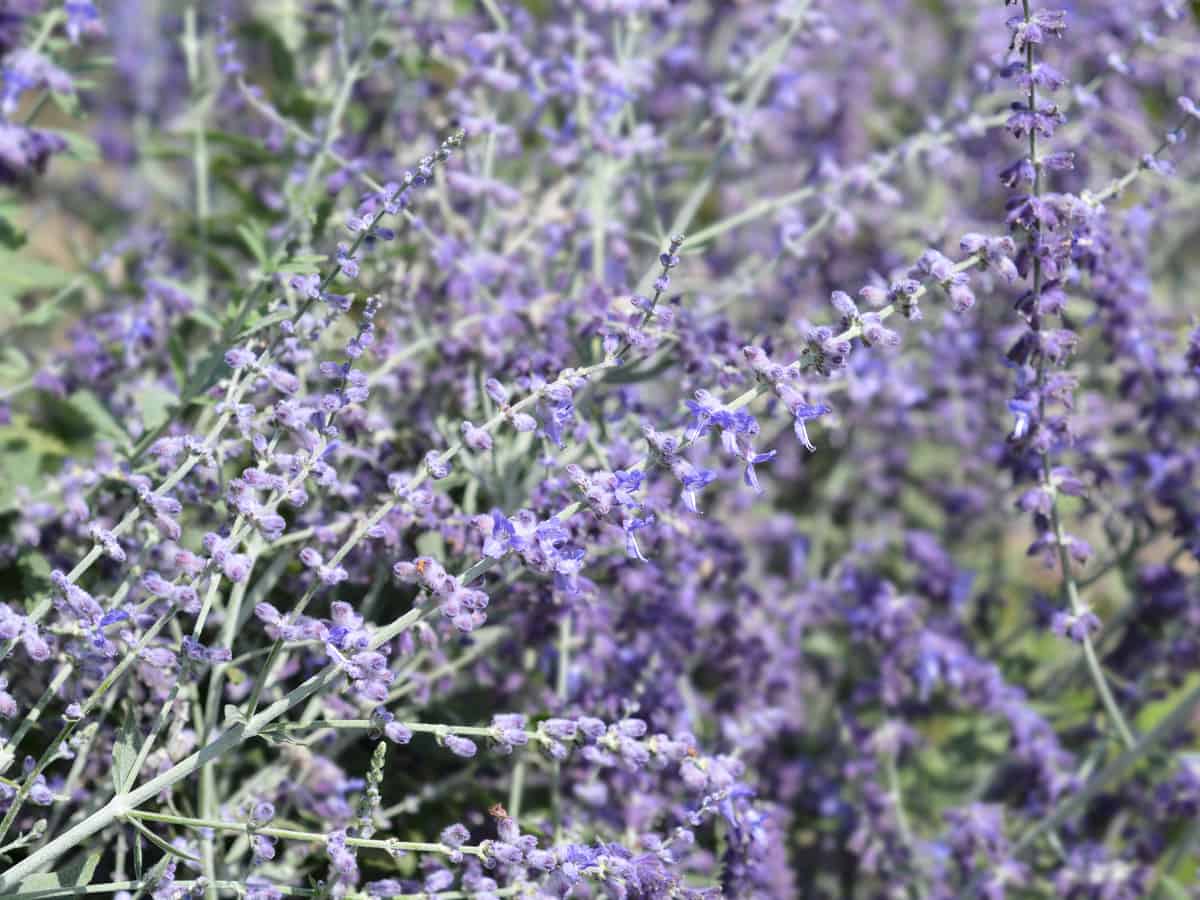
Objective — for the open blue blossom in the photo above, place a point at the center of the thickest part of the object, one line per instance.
(1076, 626)
(804, 413)
(82, 20)
(631, 526)
(693, 481)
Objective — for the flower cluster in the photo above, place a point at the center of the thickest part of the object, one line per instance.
(616, 448)
(462, 606)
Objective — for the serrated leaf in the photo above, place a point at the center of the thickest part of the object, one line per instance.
(155, 403)
(78, 873)
(125, 751)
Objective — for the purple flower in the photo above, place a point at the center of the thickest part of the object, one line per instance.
(631, 526)
(435, 466)
(238, 358)
(459, 746)
(26, 70)
(340, 855)
(500, 535)
(753, 459)
(236, 566)
(82, 20)
(397, 733)
(1076, 626)
(804, 413)
(262, 812)
(693, 481)
(476, 438)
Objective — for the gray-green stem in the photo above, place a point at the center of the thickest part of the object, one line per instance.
(1069, 588)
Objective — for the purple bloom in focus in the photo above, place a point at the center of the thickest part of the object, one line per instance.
(1076, 626)
(804, 413)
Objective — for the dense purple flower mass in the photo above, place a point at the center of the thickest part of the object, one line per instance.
(600, 449)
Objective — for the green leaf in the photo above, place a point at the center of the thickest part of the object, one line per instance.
(158, 842)
(155, 404)
(125, 752)
(35, 570)
(97, 415)
(157, 871)
(282, 63)
(253, 236)
(1156, 710)
(208, 372)
(78, 873)
(248, 149)
(79, 146)
(302, 265)
(181, 287)
(266, 322)
(23, 430)
(178, 355)
(154, 148)
(13, 366)
(192, 119)
(431, 544)
(20, 274)
(23, 447)
(324, 209)
(632, 376)
(47, 311)
(139, 868)
(11, 236)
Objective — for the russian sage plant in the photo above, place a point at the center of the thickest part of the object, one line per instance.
(599, 449)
